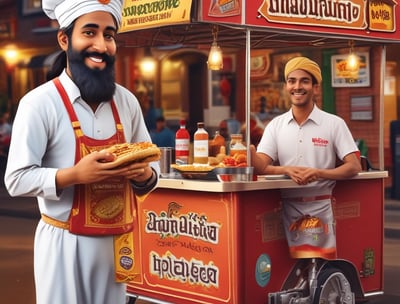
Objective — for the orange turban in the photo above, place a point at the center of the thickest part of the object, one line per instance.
(303, 63)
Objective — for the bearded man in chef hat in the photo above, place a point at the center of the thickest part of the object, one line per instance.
(58, 156)
(94, 84)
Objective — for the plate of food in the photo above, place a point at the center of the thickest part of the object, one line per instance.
(195, 171)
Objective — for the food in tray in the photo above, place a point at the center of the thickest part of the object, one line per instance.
(204, 172)
(236, 160)
(192, 168)
(207, 171)
(134, 152)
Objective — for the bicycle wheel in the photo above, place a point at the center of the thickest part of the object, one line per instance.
(333, 288)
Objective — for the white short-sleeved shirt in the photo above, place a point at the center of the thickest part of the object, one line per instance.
(317, 143)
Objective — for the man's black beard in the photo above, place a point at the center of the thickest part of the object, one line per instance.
(95, 85)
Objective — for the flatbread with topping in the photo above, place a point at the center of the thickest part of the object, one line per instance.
(134, 152)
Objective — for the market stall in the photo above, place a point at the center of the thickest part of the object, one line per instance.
(213, 242)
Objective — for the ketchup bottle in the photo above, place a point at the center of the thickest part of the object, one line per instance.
(182, 141)
(200, 145)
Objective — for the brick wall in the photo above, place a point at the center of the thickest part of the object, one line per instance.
(367, 130)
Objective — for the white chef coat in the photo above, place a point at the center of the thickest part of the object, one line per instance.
(69, 269)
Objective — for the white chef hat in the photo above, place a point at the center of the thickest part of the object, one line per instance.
(66, 11)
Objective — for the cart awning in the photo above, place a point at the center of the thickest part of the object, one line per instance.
(273, 23)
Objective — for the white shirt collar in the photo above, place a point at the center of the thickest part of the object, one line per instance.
(315, 115)
(70, 87)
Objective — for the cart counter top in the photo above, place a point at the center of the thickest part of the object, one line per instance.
(262, 183)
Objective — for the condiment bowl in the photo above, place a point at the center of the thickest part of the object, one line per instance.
(234, 174)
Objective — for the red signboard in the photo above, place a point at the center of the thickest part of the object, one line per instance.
(187, 246)
(369, 19)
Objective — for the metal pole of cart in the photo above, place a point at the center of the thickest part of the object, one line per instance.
(247, 98)
(382, 109)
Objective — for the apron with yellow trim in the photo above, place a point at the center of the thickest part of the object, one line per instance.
(105, 207)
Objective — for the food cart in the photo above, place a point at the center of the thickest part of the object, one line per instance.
(212, 242)
(205, 241)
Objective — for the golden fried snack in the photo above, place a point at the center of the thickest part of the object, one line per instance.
(134, 152)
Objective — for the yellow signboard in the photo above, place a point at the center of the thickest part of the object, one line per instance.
(142, 14)
(382, 15)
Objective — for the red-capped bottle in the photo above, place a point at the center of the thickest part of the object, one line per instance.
(182, 143)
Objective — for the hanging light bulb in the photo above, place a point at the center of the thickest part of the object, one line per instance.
(148, 64)
(353, 61)
(215, 58)
(11, 56)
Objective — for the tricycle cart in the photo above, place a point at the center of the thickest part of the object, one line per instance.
(212, 242)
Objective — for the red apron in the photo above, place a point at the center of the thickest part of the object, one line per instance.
(105, 207)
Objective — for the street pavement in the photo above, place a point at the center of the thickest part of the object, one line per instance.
(16, 268)
(392, 218)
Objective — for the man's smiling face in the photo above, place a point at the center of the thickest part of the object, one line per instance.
(300, 87)
(94, 36)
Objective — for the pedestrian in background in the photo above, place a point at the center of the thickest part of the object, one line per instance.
(162, 135)
(5, 134)
(304, 144)
(57, 155)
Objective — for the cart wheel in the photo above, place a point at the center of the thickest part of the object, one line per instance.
(131, 300)
(333, 288)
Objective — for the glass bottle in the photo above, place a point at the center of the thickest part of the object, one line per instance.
(216, 144)
(236, 145)
(182, 143)
(200, 145)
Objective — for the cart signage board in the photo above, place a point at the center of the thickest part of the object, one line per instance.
(370, 19)
(186, 246)
(343, 14)
(142, 14)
